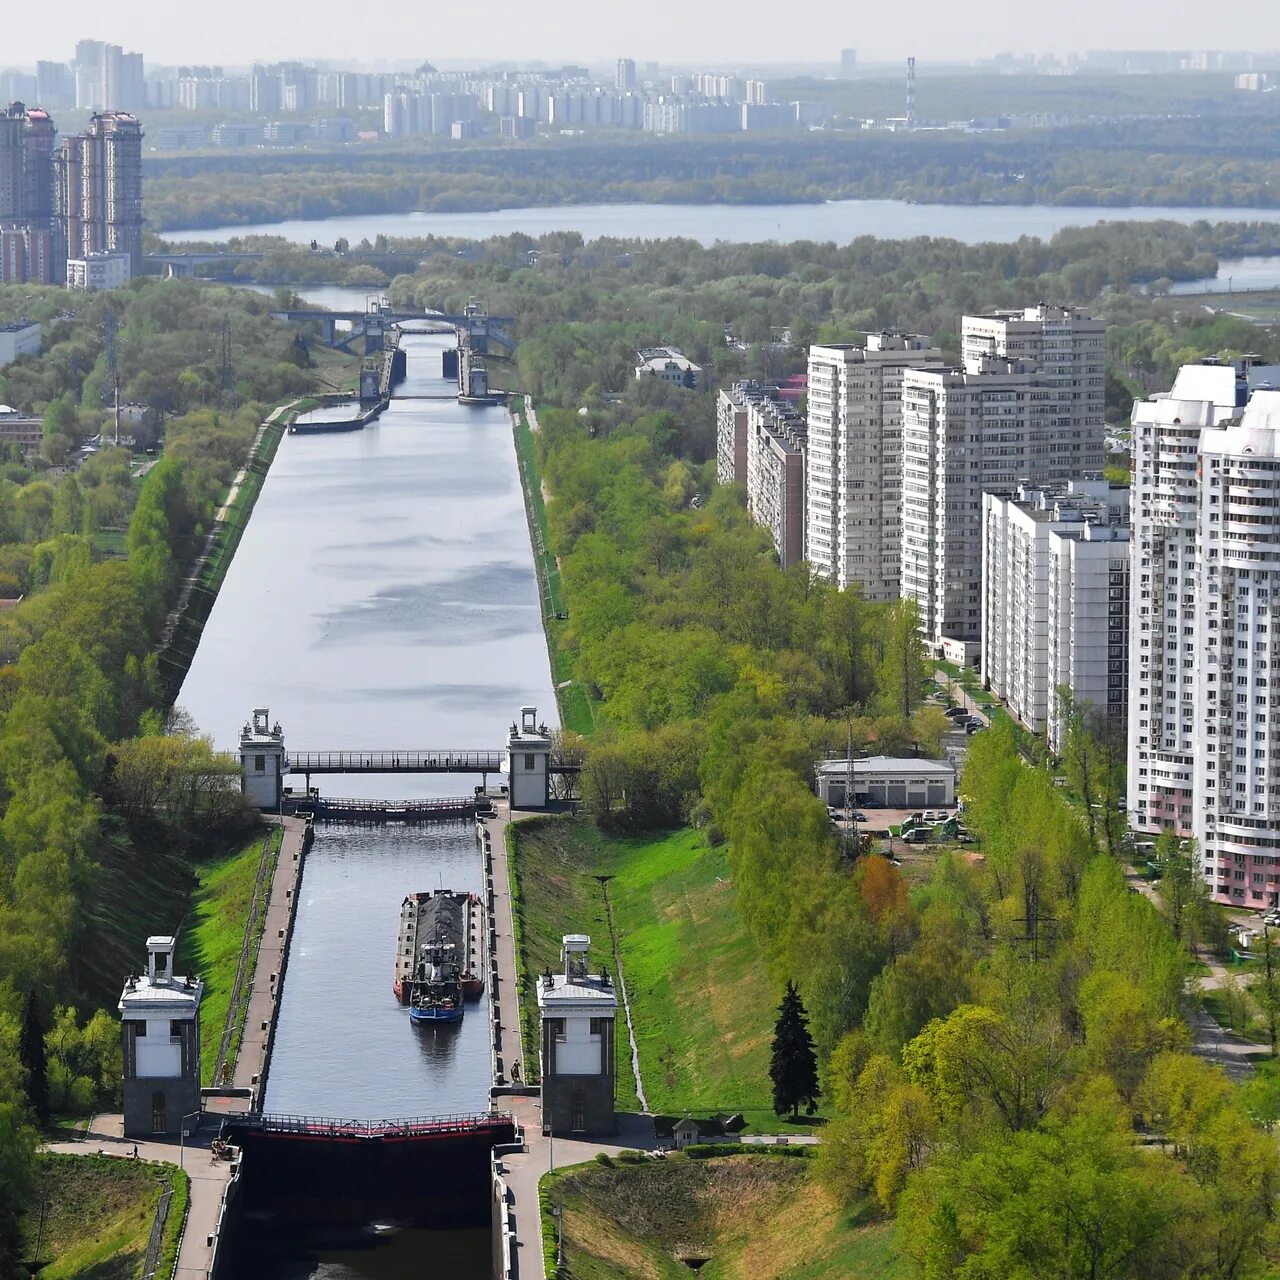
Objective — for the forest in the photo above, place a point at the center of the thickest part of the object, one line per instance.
(1208, 161)
(97, 555)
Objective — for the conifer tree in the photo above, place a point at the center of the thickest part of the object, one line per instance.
(32, 1058)
(794, 1065)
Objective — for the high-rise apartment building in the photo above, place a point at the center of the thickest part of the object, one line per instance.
(624, 80)
(853, 487)
(760, 443)
(1203, 759)
(99, 191)
(848, 64)
(1055, 600)
(26, 195)
(1026, 407)
(108, 79)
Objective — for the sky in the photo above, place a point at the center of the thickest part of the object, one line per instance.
(719, 33)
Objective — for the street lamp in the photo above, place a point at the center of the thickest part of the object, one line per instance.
(182, 1134)
(557, 1212)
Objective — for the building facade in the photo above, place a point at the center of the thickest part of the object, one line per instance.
(667, 364)
(1178, 608)
(1049, 615)
(853, 486)
(760, 443)
(160, 1032)
(1026, 407)
(578, 1010)
(1236, 791)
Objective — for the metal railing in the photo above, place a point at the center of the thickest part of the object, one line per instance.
(432, 761)
(330, 1127)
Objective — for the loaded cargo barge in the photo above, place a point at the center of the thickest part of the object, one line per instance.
(440, 919)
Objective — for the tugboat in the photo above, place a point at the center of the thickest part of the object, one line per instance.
(437, 995)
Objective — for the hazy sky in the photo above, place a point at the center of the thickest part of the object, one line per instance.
(714, 32)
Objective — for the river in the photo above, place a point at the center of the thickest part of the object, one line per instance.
(383, 595)
(837, 220)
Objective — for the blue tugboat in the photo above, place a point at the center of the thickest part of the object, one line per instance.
(437, 989)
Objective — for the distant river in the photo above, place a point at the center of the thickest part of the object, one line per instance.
(838, 220)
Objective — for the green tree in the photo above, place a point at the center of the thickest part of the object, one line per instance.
(793, 1065)
(901, 674)
(32, 1059)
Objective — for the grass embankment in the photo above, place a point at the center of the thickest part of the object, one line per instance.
(702, 1003)
(137, 892)
(98, 1212)
(577, 711)
(215, 933)
(747, 1215)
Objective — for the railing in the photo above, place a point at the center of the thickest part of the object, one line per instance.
(155, 1241)
(358, 810)
(327, 1127)
(430, 761)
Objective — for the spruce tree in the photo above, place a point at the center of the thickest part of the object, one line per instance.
(794, 1065)
(31, 1057)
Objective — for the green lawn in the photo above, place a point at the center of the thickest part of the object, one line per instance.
(215, 933)
(98, 1212)
(702, 1004)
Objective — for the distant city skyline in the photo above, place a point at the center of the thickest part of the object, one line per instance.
(708, 31)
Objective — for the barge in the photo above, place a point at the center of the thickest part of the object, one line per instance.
(434, 920)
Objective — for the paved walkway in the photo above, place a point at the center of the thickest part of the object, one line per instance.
(504, 993)
(268, 974)
(208, 1181)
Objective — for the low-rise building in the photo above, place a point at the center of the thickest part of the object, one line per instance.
(19, 429)
(888, 782)
(1054, 610)
(21, 339)
(98, 271)
(668, 364)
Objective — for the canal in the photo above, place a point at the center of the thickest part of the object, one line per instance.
(383, 595)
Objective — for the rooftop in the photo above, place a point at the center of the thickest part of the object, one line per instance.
(890, 764)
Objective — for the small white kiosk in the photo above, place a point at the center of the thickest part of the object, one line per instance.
(161, 1037)
(263, 760)
(528, 762)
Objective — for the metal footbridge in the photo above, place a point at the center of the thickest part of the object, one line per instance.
(446, 760)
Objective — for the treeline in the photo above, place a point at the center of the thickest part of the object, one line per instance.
(168, 350)
(1137, 163)
(1020, 1089)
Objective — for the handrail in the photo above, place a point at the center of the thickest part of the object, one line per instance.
(325, 1126)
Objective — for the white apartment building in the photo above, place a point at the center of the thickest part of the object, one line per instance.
(1236, 792)
(1190, 551)
(853, 485)
(760, 442)
(1054, 609)
(1026, 407)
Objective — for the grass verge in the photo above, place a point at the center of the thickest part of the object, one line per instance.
(577, 710)
(702, 1003)
(215, 933)
(739, 1216)
(98, 1212)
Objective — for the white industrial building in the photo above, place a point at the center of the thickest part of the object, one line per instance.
(1025, 407)
(1205, 553)
(888, 782)
(21, 339)
(106, 270)
(1055, 570)
(853, 485)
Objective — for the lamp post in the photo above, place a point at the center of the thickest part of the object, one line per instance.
(557, 1212)
(182, 1134)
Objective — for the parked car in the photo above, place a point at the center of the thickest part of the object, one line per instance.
(859, 817)
(974, 728)
(956, 713)
(917, 836)
(935, 815)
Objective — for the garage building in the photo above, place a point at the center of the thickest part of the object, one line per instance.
(889, 782)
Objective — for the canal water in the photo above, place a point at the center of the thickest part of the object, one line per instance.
(383, 595)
